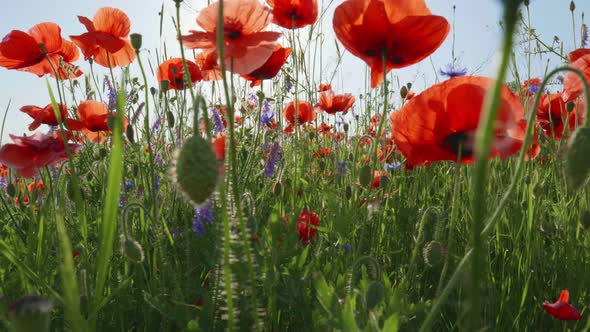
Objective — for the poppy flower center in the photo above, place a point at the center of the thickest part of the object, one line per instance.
(233, 34)
(460, 142)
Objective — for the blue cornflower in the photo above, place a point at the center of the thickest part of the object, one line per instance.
(267, 114)
(253, 100)
(159, 160)
(273, 159)
(341, 168)
(216, 121)
(129, 184)
(288, 84)
(112, 95)
(156, 125)
(451, 71)
(396, 166)
(346, 247)
(121, 200)
(203, 215)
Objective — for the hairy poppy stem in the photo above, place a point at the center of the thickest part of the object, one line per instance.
(233, 186)
(384, 113)
(483, 143)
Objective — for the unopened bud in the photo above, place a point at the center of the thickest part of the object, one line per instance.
(135, 41)
(572, 6)
(132, 250)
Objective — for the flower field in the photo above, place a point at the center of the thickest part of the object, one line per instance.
(238, 184)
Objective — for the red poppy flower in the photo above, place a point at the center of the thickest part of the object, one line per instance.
(270, 68)
(441, 122)
(576, 116)
(173, 71)
(519, 132)
(305, 112)
(294, 14)
(218, 145)
(40, 185)
(46, 115)
(322, 152)
(562, 309)
(404, 32)
(580, 52)
(94, 116)
(551, 115)
(325, 87)
(106, 40)
(246, 46)
(207, 62)
(572, 85)
(29, 153)
(22, 51)
(307, 233)
(332, 103)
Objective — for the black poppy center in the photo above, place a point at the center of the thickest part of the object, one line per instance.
(233, 34)
(460, 142)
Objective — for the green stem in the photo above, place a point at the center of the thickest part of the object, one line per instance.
(483, 143)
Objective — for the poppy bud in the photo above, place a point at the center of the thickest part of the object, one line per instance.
(572, 6)
(526, 2)
(170, 118)
(132, 250)
(403, 92)
(433, 253)
(277, 188)
(569, 106)
(409, 85)
(195, 169)
(164, 85)
(577, 159)
(135, 41)
(11, 190)
(30, 314)
(345, 126)
(129, 133)
(375, 294)
(153, 90)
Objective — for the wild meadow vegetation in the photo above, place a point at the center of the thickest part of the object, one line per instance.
(232, 189)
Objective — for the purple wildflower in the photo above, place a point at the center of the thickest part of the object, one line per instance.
(159, 160)
(156, 125)
(273, 159)
(451, 71)
(129, 185)
(253, 100)
(347, 247)
(396, 166)
(341, 168)
(584, 35)
(203, 215)
(288, 84)
(216, 121)
(112, 95)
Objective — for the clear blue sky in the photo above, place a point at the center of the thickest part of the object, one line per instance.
(477, 37)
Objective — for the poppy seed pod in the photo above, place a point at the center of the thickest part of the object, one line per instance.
(132, 250)
(572, 6)
(135, 41)
(195, 169)
(30, 314)
(433, 253)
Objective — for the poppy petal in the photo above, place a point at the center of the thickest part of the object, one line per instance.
(400, 9)
(48, 34)
(19, 50)
(121, 58)
(112, 21)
